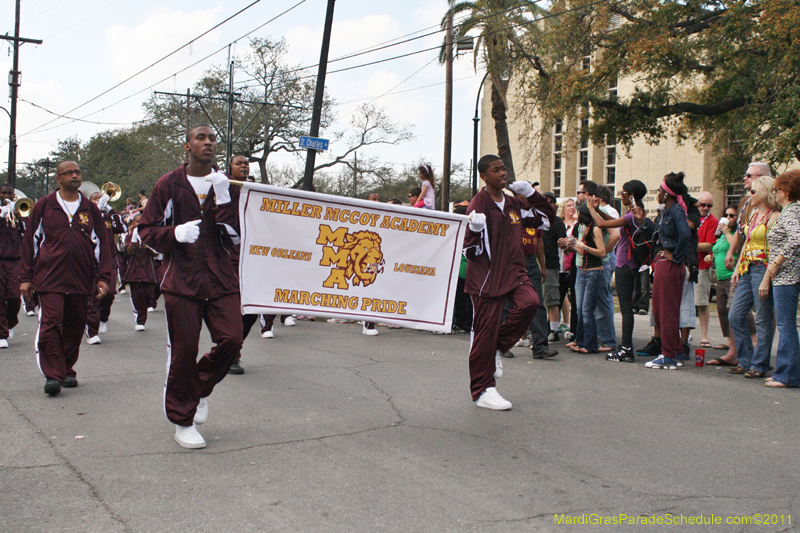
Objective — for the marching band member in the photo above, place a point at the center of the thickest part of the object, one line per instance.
(10, 248)
(496, 273)
(64, 259)
(140, 275)
(195, 224)
(100, 310)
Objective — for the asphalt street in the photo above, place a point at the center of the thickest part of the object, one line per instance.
(333, 431)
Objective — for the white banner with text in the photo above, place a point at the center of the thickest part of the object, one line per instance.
(320, 255)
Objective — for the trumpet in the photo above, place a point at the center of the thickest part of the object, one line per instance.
(113, 190)
(21, 209)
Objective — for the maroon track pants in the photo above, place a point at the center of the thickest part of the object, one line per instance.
(490, 335)
(62, 318)
(142, 296)
(98, 311)
(9, 295)
(188, 379)
(666, 307)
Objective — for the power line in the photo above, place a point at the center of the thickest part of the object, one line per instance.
(81, 21)
(152, 65)
(276, 17)
(73, 119)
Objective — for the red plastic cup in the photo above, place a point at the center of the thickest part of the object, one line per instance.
(699, 357)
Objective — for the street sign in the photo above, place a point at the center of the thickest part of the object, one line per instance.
(314, 143)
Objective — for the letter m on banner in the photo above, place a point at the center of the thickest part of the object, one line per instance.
(331, 256)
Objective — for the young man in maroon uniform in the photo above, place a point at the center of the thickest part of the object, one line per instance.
(64, 256)
(496, 273)
(140, 275)
(192, 217)
(100, 310)
(10, 248)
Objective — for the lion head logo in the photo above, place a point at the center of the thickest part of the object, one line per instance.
(364, 257)
(514, 217)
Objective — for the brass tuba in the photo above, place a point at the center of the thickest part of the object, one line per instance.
(113, 190)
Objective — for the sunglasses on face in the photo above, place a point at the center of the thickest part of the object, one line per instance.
(730, 215)
(706, 205)
(75, 172)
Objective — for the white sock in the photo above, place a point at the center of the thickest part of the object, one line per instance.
(554, 326)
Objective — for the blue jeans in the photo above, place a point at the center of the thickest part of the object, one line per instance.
(604, 314)
(745, 297)
(590, 282)
(787, 362)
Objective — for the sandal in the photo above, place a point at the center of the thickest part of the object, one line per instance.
(575, 348)
(737, 370)
(776, 384)
(722, 347)
(606, 348)
(705, 344)
(719, 361)
(584, 351)
(752, 373)
(571, 344)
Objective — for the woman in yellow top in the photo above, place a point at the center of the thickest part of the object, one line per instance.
(747, 276)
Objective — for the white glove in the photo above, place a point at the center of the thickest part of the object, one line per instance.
(102, 204)
(5, 210)
(522, 188)
(221, 187)
(135, 236)
(477, 221)
(188, 232)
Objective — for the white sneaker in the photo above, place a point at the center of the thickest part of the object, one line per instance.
(491, 399)
(370, 332)
(151, 309)
(498, 365)
(268, 334)
(123, 291)
(189, 437)
(103, 328)
(138, 327)
(3, 343)
(30, 313)
(94, 340)
(11, 334)
(201, 415)
(289, 321)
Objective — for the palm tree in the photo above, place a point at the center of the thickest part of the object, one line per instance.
(500, 23)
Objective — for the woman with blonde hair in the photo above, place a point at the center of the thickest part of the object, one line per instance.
(568, 272)
(783, 272)
(747, 278)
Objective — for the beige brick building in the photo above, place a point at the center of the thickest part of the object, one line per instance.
(562, 164)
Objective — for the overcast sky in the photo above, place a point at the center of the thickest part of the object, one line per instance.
(91, 46)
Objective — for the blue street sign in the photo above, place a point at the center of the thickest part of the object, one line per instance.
(314, 143)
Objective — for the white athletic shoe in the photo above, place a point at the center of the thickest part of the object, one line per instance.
(498, 365)
(201, 415)
(289, 321)
(30, 313)
(151, 309)
(268, 334)
(370, 332)
(123, 291)
(103, 328)
(94, 340)
(491, 399)
(138, 327)
(189, 437)
(3, 343)
(11, 334)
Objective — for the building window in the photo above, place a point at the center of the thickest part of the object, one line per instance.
(583, 174)
(612, 87)
(611, 161)
(587, 63)
(558, 128)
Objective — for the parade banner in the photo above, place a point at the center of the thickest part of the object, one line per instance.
(320, 255)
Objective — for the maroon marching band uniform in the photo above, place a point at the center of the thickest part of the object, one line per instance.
(496, 272)
(10, 249)
(140, 277)
(100, 310)
(63, 260)
(200, 284)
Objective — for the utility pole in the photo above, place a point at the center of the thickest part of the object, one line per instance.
(448, 112)
(229, 134)
(316, 115)
(14, 82)
(188, 115)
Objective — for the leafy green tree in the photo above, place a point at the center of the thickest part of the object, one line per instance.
(716, 73)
